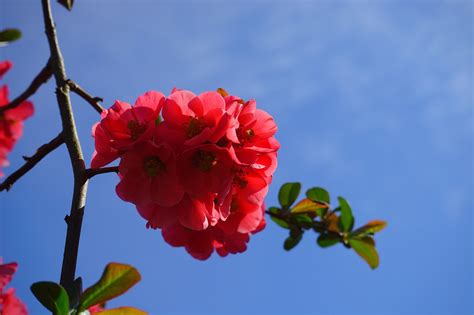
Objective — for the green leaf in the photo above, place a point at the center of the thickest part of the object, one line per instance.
(52, 296)
(309, 206)
(288, 194)
(9, 35)
(365, 248)
(293, 240)
(125, 310)
(370, 228)
(116, 280)
(302, 221)
(346, 219)
(278, 221)
(67, 4)
(318, 194)
(327, 240)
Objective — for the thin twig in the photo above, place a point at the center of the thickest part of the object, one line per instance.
(92, 100)
(277, 215)
(42, 77)
(31, 161)
(74, 222)
(91, 172)
(315, 224)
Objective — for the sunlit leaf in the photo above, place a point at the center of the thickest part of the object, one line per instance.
(9, 35)
(365, 248)
(278, 221)
(327, 239)
(371, 227)
(309, 206)
(122, 311)
(288, 194)
(52, 296)
(318, 194)
(346, 218)
(116, 280)
(67, 4)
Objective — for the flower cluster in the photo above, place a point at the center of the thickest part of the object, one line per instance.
(11, 121)
(9, 303)
(196, 166)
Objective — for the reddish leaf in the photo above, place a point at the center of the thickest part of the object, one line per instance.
(308, 206)
(371, 227)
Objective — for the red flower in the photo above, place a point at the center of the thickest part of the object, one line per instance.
(11, 121)
(122, 126)
(6, 273)
(4, 67)
(9, 303)
(201, 174)
(192, 213)
(191, 120)
(255, 133)
(201, 244)
(96, 309)
(148, 174)
(206, 169)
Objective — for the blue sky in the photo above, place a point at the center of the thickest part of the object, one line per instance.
(373, 100)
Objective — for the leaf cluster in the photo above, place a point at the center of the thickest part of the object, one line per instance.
(334, 225)
(115, 280)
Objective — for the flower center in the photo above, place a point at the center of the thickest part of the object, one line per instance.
(136, 128)
(239, 179)
(245, 135)
(204, 160)
(153, 166)
(194, 126)
(234, 206)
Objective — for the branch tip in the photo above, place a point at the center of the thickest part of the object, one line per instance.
(92, 100)
(91, 172)
(41, 78)
(30, 162)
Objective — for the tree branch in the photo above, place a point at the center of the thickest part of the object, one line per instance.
(74, 222)
(91, 172)
(42, 151)
(93, 101)
(42, 77)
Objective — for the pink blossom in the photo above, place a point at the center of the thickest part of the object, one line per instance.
(190, 120)
(148, 174)
(201, 174)
(11, 120)
(4, 67)
(123, 126)
(9, 303)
